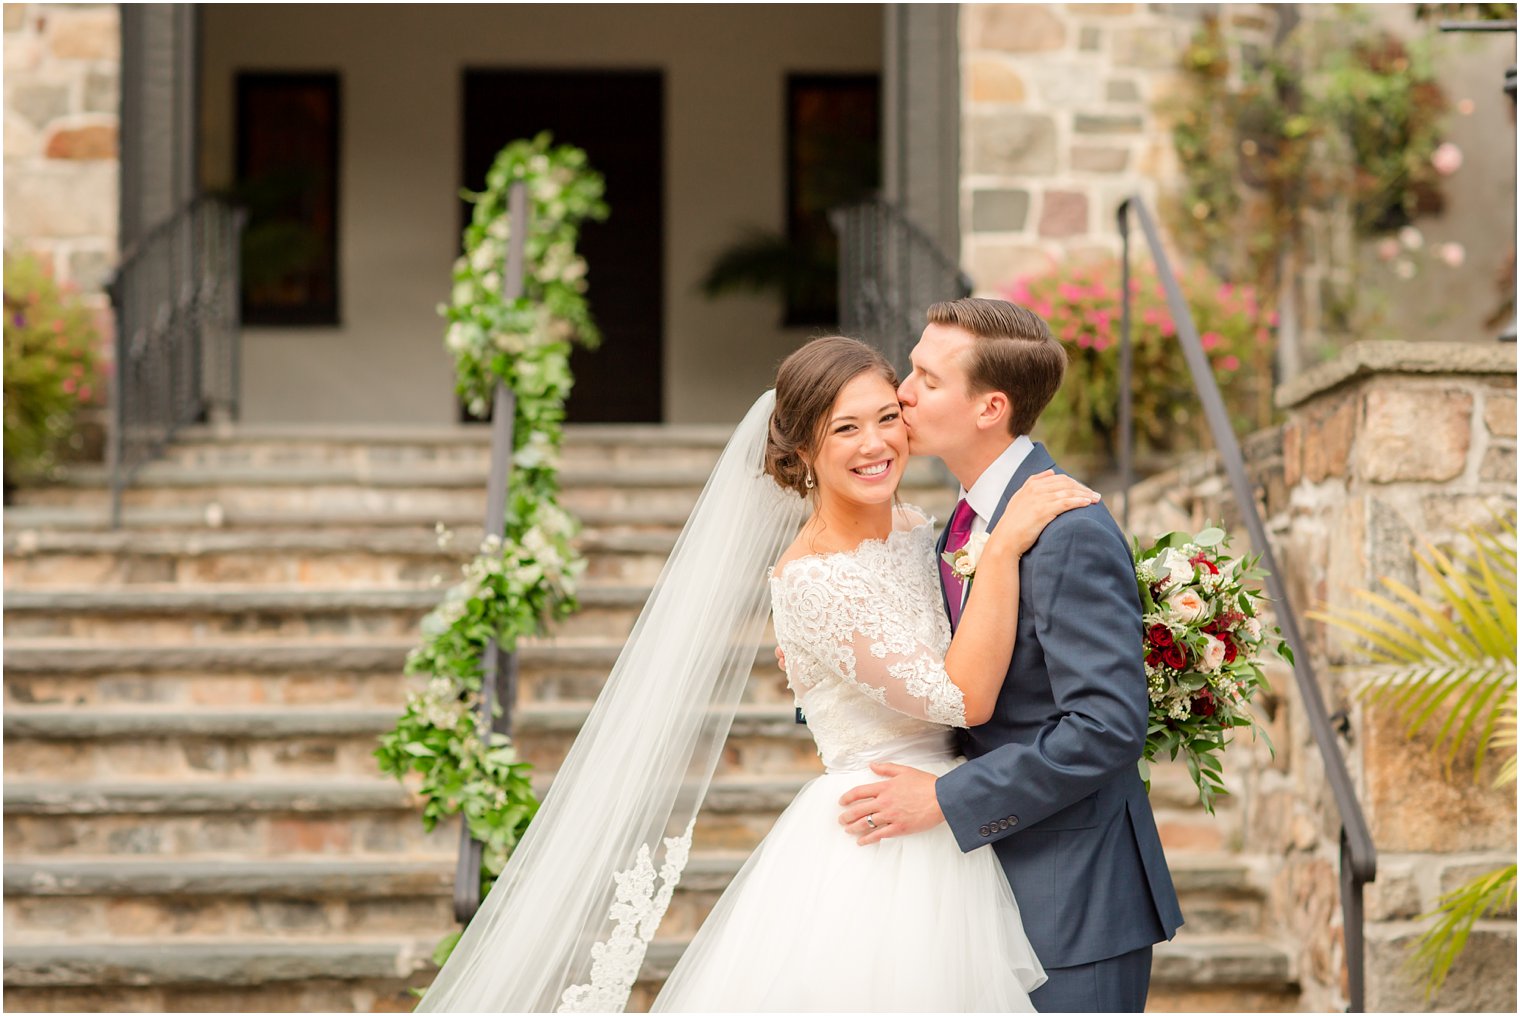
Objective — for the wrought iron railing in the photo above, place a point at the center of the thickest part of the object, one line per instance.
(498, 681)
(176, 302)
(890, 271)
(1358, 856)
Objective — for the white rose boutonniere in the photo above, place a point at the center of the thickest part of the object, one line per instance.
(963, 562)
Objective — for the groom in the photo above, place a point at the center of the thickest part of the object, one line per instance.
(1051, 780)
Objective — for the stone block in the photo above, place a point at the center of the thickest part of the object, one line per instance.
(39, 102)
(1015, 28)
(89, 34)
(1455, 876)
(23, 52)
(1481, 980)
(15, 16)
(1391, 543)
(1498, 464)
(92, 141)
(992, 80)
(1411, 433)
(1395, 895)
(1150, 47)
(1123, 90)
(1108, 123)
(994, 265)
(1090, 39)
(999, 211)
(1499, 414)
(1067, 85)
(1063, 214)
(1011, 144)
(22, 140)
(1102, 10)
(68, 199)
(89, 269)
(1416, 804)
(102, 92)
(1099, 159)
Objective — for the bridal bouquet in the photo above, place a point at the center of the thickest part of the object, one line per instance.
(1204, 647)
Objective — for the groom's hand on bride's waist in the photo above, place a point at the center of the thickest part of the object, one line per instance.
(903, 804)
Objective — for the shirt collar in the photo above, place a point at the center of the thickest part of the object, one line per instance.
(988, 489)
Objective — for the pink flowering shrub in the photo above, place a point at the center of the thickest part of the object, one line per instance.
(1081, 303)
(50, 369)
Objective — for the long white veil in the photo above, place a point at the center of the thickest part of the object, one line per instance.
(566, 925)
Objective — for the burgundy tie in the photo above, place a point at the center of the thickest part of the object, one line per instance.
(960, 532)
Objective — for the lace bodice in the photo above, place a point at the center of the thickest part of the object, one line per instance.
(865, 638)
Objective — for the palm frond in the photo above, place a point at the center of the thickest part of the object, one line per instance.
(1456, 914)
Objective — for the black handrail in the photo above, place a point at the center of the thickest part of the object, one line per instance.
(1358, 855)
(890, 271)
(176, 297)
(498, 680)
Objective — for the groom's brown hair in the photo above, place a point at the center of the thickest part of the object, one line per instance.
(1015, 353)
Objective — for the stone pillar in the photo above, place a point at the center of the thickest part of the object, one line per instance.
(62, 78)
(1388, 447)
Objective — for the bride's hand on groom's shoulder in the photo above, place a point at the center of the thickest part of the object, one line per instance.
(903, 804)
(1043, 497)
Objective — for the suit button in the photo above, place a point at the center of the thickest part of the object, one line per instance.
(1003, 824)
(986, 831)
(1013, 820)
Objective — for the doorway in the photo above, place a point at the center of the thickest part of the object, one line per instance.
(617, 117)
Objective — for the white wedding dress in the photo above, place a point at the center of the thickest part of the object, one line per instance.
(813, 921)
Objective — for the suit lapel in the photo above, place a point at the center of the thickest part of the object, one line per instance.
(1037, 461)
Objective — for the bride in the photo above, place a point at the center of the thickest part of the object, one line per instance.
(799, 516)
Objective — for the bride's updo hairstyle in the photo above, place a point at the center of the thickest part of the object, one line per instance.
(807, 384)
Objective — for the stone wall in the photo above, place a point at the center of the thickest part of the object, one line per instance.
(1057, 125)
(62, 112)
(1386, 447)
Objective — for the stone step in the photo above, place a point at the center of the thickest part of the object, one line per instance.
(307, 743)
(236, 675)
(364, 555)
(376, 446)
(1240, 975)
(1237, 970)
(311, 975)
(281, 818)
(92, 515)
(437, 490)
(173, 616)
(182, 900)
(50, 900)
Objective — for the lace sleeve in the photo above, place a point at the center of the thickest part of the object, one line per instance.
(837, 617)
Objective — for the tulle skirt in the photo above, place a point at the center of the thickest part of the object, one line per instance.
(814, 922)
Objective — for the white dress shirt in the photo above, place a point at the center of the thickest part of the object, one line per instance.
(987, 491)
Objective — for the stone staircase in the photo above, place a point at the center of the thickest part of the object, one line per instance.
(193, 817)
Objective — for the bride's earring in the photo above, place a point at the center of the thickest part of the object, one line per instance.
(808, 483)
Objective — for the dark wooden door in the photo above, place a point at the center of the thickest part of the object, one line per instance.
(618, 118)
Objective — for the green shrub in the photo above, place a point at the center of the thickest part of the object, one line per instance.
(50, 369)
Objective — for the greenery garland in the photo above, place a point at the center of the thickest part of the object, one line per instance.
(516, 585)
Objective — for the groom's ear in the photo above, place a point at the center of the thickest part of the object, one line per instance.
(994, 412)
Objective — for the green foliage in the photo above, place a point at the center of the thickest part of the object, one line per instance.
(1448, 655)
(1082, 304)
(1339, 114)
(50, 368)
(516, 585)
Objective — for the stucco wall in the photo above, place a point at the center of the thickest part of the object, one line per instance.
(401, 66)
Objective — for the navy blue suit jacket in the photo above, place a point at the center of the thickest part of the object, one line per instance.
(1051, 779)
